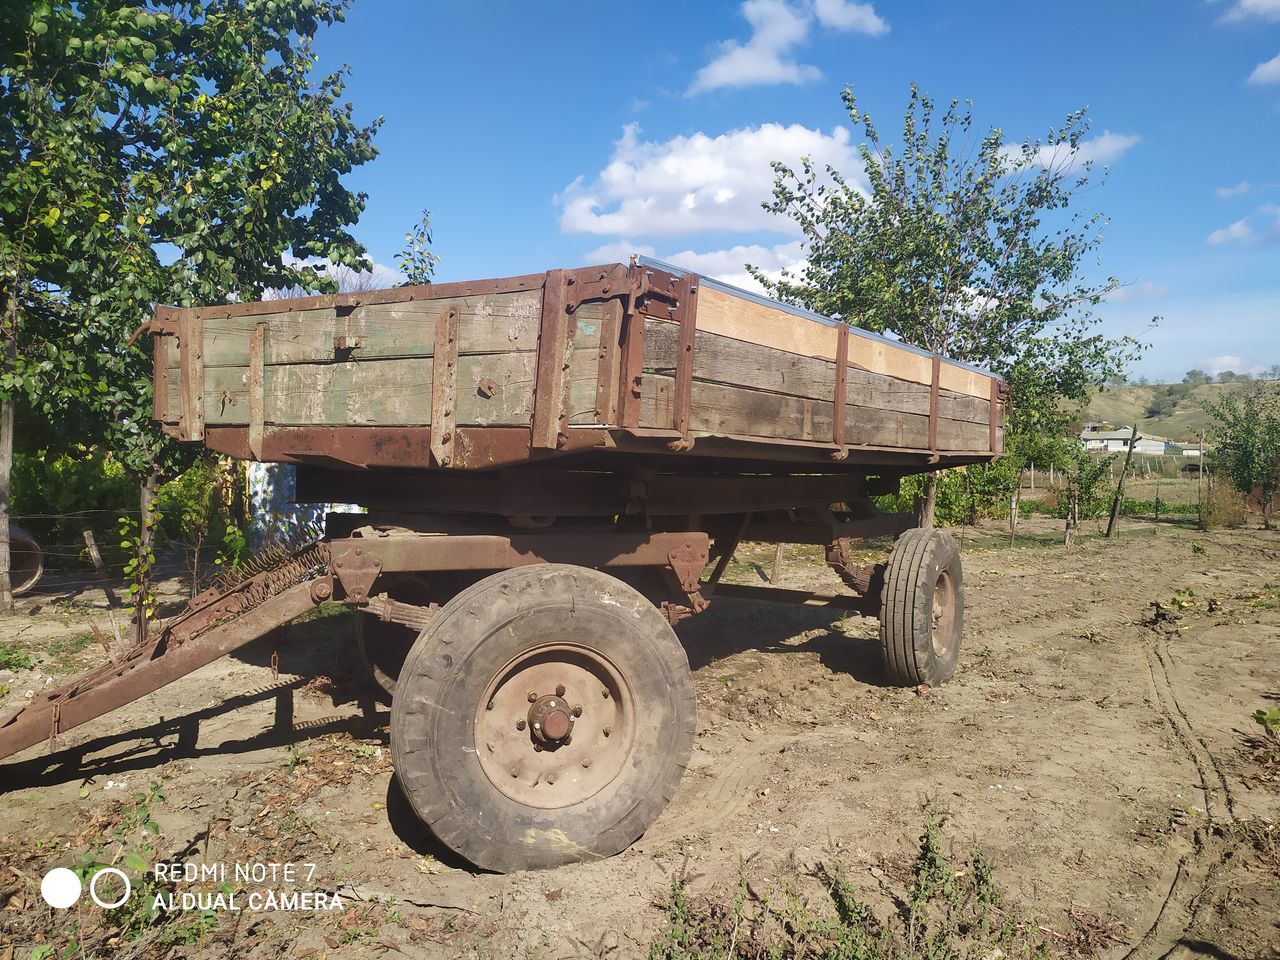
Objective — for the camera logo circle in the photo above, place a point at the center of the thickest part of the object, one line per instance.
(61, 888)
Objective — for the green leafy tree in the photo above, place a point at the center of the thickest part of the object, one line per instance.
(155, 152)
(416, 258)
(1246, 441)
(962, 245)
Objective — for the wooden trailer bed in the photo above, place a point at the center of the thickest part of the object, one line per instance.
(642, 358)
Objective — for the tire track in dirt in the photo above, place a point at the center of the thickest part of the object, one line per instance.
(713, 802)
(1196, 874)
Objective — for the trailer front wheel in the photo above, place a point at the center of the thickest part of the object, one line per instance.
(922, 608)
(544, 717)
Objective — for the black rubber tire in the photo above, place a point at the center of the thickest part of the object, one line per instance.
(450, 667)
(920, 560)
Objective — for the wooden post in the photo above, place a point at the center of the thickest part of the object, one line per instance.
(1112, 524)
(112, 600)
(6, 472)
(1200, 482)
(777, 564)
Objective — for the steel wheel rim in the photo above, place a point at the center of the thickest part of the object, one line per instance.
(547, 768)
(943, 614)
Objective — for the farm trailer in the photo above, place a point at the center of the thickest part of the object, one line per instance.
(556, 468)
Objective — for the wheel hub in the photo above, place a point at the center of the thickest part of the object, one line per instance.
(551, 719)
(555, 726)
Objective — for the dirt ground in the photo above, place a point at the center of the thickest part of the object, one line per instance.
(1097, 744)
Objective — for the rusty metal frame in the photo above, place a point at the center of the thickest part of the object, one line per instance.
(841, 394)
(444, 388)
(552, 491)
(191, 360)
(555, 345)
(160, 380)
(994, 413)
(685, 314)
(407, 552)
(933, 404)
(257, 389)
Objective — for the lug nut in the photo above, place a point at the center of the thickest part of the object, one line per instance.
(537, 748)
(608, 730)
(605, 693)
(586, 763)
(577, 711)
(489, 705)
(520, 724)
(489, 745)
(551, 778)
(514, 773)
(532, 696)
(560, 690)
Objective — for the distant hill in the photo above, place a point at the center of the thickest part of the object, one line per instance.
(1121, 406)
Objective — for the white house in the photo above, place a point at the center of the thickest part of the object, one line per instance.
(1117, 441)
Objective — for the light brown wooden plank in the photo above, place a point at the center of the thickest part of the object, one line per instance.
(723, 410)
(730, 316)
(719, 359)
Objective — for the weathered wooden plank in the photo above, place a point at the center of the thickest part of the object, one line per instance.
(393, 392)
(752, 322)
(724, 410)
(720, 359)
(191, 360)
(496, 323)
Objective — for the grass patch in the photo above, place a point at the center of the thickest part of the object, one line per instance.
(941, 910)
(13, 657)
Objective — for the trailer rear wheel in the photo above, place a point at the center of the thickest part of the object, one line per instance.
(544, 717)
(922, 609)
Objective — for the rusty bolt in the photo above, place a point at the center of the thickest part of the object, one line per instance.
(489, 705)
(560, 690)
(489, 745)
(551, 778)
(605, 693)
(323, 591)
(586, 763)
(537, 748)
(608, 730)
(359, 551)
(520, 724)
(577, 711)
(514, 773)
(532, 696)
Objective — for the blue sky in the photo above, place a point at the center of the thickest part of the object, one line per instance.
(562, 133)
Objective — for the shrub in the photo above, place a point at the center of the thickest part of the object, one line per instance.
(1224, 507)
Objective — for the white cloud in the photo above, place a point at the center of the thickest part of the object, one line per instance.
(1240, 230)
(1244, 9)
(1141, 291)
(1228, 361)
(777, 28)
(1268, 72)
(697, 183)
(379, 277)
(727, 266)
(845, 15)
(1240, 188)
(1104, 149)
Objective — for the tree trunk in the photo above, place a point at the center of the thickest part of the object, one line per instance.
(1015, 500)
(1112, 524)
(6, 473)
(146, 497)
(928, 500)
(6, 450)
